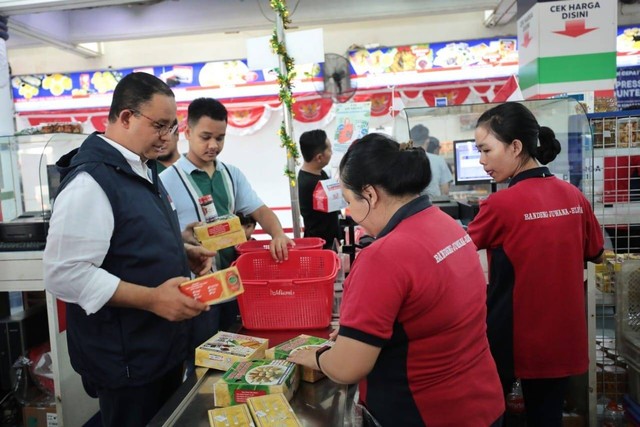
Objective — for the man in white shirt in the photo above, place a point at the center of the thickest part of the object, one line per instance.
(115, 255)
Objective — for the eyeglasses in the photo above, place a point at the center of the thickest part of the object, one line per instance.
(159, 127)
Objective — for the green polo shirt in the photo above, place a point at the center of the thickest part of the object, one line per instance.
(215, 186)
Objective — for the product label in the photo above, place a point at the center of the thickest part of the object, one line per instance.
(216, 229)
(233, 281)
(241, 396)
(204, 290)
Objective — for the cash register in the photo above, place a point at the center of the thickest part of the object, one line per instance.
(28, 231)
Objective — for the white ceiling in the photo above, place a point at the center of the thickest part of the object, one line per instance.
(67, 23)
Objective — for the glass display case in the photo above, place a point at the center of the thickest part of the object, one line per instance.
(27, 184)
(565, 116)
(27, 172)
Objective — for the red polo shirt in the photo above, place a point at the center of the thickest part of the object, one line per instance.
(546, 229)
(418, 292)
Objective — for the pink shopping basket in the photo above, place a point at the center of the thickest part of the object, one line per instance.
(294, 294)
(261, 245)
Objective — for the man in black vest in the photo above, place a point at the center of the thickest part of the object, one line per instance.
(115, 255)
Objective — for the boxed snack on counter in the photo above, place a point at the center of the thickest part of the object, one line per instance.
(224, 232)
(237, 415)
(225, 348)
(283, 350)
(214, 288)
(272, 410)
(255, 378)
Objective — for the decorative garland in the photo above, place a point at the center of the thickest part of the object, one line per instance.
(284, 80)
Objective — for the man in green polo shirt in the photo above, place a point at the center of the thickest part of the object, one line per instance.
(201, 173)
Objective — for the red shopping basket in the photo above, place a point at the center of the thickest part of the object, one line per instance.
(294, 294)
(260, 245)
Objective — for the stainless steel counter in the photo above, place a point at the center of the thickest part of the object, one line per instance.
(320, 404)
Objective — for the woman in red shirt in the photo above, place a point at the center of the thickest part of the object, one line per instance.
(412, 319)
(538, 233)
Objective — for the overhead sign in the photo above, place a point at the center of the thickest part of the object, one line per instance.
(567, 46)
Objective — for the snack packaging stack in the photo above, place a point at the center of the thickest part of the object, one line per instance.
(224, 232)
(255, 378)
(214, 288)
(225, 348)
(283, 350)
(272, 410)
(237, 415)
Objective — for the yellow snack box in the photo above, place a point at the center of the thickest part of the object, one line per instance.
(272, 410)
(225, 240)
(255, 378)
(222, 225)
(237, 415)
(214, 288)
(283, 350)
(225, 348)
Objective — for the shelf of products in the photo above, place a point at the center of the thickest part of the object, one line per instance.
(612, 181)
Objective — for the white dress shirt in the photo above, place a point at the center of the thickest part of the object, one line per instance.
(79, 236)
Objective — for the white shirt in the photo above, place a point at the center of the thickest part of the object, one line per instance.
(79, 236)
(440, 174)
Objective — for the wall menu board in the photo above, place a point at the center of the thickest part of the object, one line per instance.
(235, 73)
(402, 64)
(435, 56)
(628, 46)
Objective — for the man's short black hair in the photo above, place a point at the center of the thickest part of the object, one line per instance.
(206, 107)
(312, 143)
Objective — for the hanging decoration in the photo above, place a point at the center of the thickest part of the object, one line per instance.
(285, 78)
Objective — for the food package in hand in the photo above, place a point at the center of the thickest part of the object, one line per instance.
(283, 350)
(214, 288)
(224, 232)
(225, 348)
(255, 378)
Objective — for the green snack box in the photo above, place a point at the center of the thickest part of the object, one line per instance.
(255, 378)
(283, 350)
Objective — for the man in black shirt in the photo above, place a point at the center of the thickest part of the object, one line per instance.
(316, 152)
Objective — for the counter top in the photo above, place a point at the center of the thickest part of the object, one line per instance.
(320, 404)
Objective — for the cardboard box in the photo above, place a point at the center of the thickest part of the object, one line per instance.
(272, 410)
(214, 288)
(224, 232)
(226, 240)
(39, 416)
(327, 196)
(283, 350)
(255, 378)
(237, 415)
(572, 420)
(225, 348)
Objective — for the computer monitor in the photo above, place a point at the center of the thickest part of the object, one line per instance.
(468, 170)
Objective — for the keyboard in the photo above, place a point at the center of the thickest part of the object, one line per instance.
(21, 246)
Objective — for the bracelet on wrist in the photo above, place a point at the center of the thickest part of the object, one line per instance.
(319, 353)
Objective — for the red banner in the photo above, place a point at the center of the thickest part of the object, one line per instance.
(380, 102)
(455, 96)
(311, 110)
(244, 117)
